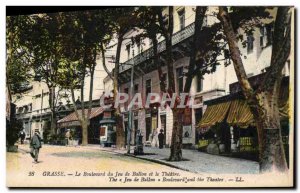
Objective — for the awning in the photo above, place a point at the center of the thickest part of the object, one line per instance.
(239, 114)
(214, 114)
(71, 119)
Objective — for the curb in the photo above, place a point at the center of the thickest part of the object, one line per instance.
(149, 159)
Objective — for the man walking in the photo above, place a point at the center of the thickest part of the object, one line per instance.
(22, 136)
(161, 137)
(35, 145)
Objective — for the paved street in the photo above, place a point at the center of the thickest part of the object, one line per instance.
(92, 166)
(70, 160)
(199, 162)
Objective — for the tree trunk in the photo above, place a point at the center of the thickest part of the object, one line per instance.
(83, 122)
(53, 122)
(52, 107)
(273, 154)
(90, 105)
(196, 51)
(157, 62)
(263, 106)
(120, 134)
(120, 141)
(176, 141)
(84, 125)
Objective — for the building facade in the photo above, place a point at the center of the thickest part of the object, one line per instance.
(32, 105)
(256, 56)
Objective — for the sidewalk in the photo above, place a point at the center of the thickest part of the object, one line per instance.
(198, 162)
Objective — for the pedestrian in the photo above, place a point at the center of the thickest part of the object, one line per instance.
(35, 145)
(161, 137)
(22, 136)
(68, 137)
(155, 138)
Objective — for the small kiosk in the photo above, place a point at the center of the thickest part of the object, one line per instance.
(108, 125)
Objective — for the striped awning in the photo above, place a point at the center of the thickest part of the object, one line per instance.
(214, 114)
(239, 114)
(72, 120)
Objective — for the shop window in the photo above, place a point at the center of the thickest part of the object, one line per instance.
(164, 126)
(139, 46)
(128, 51)
(148, 86)
(198, 116)
(136, 88)
(126, 90)
(148, 128)
(38, 96)
(199, 83)
(136, 127)
(250, 41)
(181, 15)
(164, 79)
(269, 33)
(205, 21)
(262, 36)
(166, 20)
(102, 131)
(126, 130)
(179, 73)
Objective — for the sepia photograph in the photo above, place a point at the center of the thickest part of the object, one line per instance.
(150, 96)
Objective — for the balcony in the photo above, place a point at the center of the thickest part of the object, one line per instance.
(178, 37)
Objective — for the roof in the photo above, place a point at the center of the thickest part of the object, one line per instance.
(72, 117)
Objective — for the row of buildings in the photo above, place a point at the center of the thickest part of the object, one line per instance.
(214, 88)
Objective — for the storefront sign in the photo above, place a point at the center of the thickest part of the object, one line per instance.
(187, 117)
(187, 131)
(187, 134)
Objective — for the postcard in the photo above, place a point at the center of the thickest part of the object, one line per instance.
(150, 96)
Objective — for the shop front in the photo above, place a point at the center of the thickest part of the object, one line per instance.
(228, 128)
(70, 126)
(107, 128)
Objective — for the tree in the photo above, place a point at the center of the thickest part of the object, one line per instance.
(39, 39)
(206, 54)
(197, 56)
(17, 74)
(203, 59)
(263, 102)
(147, 20)
(90, 31)
(121, 21)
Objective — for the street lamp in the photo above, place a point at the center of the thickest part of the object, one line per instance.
(130, 119)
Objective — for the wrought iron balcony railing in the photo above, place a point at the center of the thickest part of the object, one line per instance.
(179, 36)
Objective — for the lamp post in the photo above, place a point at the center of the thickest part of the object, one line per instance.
(130, 119)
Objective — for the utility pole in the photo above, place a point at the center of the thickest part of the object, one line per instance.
(130, 117)
(42, 99)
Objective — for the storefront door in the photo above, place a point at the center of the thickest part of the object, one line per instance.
(148, 128)
(164, 126)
